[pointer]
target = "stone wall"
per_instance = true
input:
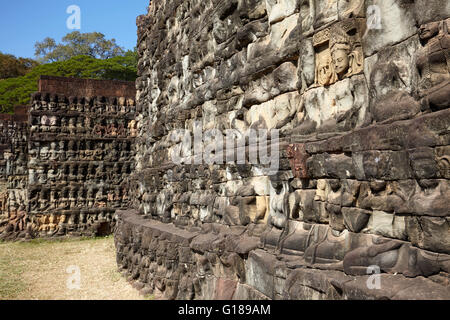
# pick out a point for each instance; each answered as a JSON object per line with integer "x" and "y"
{"x": 77, "y": 154}
{"x": 358, "y": 92}
{"x": 74, "y": 87}
{"x": 14, "y": 132}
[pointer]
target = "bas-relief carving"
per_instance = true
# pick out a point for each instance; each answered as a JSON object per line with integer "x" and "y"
{"x": 338, "y": 52}
{"x": 315, "y": 233}
{"x": 392, "y": 79}
{"x": 433, "y": 63}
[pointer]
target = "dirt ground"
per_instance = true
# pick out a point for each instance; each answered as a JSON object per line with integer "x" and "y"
{"x": 47, "y": 270}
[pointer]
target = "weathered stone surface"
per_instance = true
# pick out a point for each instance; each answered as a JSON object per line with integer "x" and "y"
{"x": 71, "y": 159}
{"x": 358, "y": 91}
{"x": 397, "y": 24}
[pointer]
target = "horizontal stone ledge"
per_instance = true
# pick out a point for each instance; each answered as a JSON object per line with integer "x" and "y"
{"x": 74, "y": 162}
{"x": 74, "y": 211}
{"x": 49, "y": 137}
{"x": 68, "y": 113}
{"x": 337, "y": 284}
{"x": 133, "y": 217}
{"x": 429, "y": 130}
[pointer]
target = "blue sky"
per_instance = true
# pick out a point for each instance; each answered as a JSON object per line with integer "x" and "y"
{"x": 23, "y": 22}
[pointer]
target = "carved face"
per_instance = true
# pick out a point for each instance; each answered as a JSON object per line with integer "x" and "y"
{"x": 324, "y": 73}
{"x": 428, "y": 30}
{"x": 277, "y": 185}
{"x": 340, "y": 61}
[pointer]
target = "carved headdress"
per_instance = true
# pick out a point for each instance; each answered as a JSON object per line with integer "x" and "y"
{"x": 339, "y": 39}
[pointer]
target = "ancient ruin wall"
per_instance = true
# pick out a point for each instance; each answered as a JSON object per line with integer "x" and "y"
{"x": 77, "y": 156}
{"x": 14, "y": 131}
{"x": 359, "y": 93}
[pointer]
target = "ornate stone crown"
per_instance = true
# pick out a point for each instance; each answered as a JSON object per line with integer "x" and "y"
{"x": 339, "y": 39}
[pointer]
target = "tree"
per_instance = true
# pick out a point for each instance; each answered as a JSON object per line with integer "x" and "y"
{"x": 17, "y": 91}
{"x": 75, "y": 44}
{"x": 11, "y": 67}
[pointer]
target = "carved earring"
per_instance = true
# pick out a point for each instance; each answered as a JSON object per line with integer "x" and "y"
{"x": 351, "y": 59}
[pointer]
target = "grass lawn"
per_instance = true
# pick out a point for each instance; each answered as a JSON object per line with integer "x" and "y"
{"x": 38, "y": 270}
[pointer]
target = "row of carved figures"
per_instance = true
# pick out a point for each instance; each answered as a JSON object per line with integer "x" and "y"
{"x": 54, "y": 223}
{"x": 78, "y": 198}
{"x": 84, "y": 125}
{"x": 87, "y": 150}
{"x": 98, "y": 105}
{"x": 83, "y": 172}
{"x": 13, "y": 132}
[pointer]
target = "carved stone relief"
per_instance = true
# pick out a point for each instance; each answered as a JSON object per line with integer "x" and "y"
{"x": 338, "y": 50}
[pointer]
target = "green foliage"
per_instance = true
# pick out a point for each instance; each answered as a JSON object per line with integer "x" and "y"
{"x": 11, "y": 67}
{"x": 75, "y": 44}
{"x": 17, "y": 91}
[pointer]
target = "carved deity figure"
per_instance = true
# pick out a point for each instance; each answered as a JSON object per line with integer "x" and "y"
{"x": 80, "y": 105}
{"x": 64, "y": 125}
{"x": 279, "y": 211}
{"x": 124, "y": 153}
{"x": 81, "y": 176}
{"x": 62, "y": 224}
{"x": 121, "y": 131}
{"x": 73, "y": 172}
{"x": 90, "y": 172}
{"x": 54, "y": 199}
{"x": 52, "y": 174}
{"x": 64, "y": 201}
{"x": 112, "y": 129}
{"x": 346, "y": 59}
{"x": 42, "y": 174}
{"x": 72, "y": 198}
{"x": 88, "y": 124}
{"x": 80, "y": 198}
{"x": 433, "y": 63}
{"x": 338, "y": 52}
{"x": 117, "y": 197}
{"x": 325, "y": 74}
{"x": 72, "y": 126}
{"x": 51, "y": 223}
{"x": 90, "y": 197}
{"x": 71, "y": 151}
{"x": 132, "y": 128}
{"x": 98, "y": 129}
{"x": 54, "y": 154}
{"x": 99, "y": 172}
{"x": 100, "y": 199}
{"x": 98, "y": 153}
{"x": 45, "y": 123}
{"x": 44, "y": 153}
{"x": 278, "y": 203}
{"x": 80, "y": 128}
{"x": 43, "y": 200}
{"x": 88, "y": 151}
{"x": 53, "y": 124}
{"x": 35, "y": 124}
{"x": 32, "y": 176}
